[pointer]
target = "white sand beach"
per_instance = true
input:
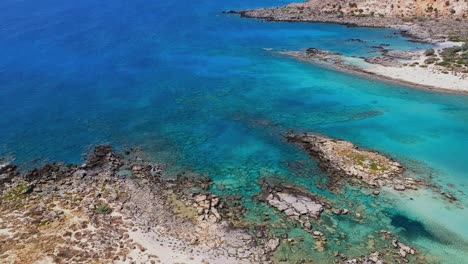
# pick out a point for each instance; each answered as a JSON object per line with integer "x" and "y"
{"x": 427, "y": 77}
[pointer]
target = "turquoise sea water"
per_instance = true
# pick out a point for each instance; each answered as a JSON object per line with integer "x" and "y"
{"x": 202, "y": 90}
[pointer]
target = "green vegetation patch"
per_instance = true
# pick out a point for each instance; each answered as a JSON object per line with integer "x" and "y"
{"x": 103, "y": 209}
{"x": 429, "y": 52}
{"x": 181, "y": 208}
{"x": 16, "y": 192}
{"x": 454, "y": 57}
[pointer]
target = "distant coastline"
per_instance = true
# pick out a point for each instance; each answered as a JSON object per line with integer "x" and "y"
{"x": 425, "y": 22}
{"x": 443, "y": 68}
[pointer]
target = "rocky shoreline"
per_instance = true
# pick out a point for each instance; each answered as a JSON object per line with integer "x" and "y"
{"x": 419, "y": 28}
{"x": 346, "y": 163}
{"x": 118, "y": 208}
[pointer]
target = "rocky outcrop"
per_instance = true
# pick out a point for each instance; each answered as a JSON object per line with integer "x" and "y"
{"x": 344, "y": 161}
{"x": 392, "y": 58}
{"x": 403, "y": 250}
{"x": 383, "y": 60}
{"x": 7, "y": 173}
{"x": 323, "y": 58}
{"x": 296, "y": 203}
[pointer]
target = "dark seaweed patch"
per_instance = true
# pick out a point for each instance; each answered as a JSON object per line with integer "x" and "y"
{"x": 411, "y": 228}
{"x": 367, "y": 114}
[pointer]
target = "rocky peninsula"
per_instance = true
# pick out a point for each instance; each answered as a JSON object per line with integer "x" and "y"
{"x": 344, "y": 161}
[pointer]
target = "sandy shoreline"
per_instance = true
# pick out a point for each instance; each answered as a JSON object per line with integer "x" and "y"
{"x": 422, "y": 77}
{"x": 414, "y": 77}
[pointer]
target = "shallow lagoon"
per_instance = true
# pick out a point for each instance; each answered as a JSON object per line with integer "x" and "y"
{"x": 201, "y": 90}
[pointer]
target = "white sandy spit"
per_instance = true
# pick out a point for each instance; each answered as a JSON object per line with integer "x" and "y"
{"x": 422, "y": 76}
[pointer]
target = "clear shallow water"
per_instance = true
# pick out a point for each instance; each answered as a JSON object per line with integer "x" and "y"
{"x": 202, "y": 91}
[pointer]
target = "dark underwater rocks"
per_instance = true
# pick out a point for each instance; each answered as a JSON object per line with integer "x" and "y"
{"x": 411, "y": 228}
{"x": 357, "y": 40}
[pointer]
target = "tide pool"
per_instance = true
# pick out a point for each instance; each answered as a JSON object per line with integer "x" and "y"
{"x": 205, "y": 91}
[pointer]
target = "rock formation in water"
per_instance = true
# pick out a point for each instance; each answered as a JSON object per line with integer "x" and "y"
{"x": 306, "y": 210}
{"x": 344, "y": 161}
{"x": 296, "y": 203}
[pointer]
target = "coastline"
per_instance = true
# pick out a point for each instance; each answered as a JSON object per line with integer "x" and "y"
{"x": 118, "y": 208}
{"x": 249, "y": 154}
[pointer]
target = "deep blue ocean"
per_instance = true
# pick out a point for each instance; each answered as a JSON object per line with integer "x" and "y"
{"x": 205, "y": 91}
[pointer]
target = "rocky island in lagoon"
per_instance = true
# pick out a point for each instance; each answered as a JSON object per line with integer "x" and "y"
{"x": 219, "y": 179}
